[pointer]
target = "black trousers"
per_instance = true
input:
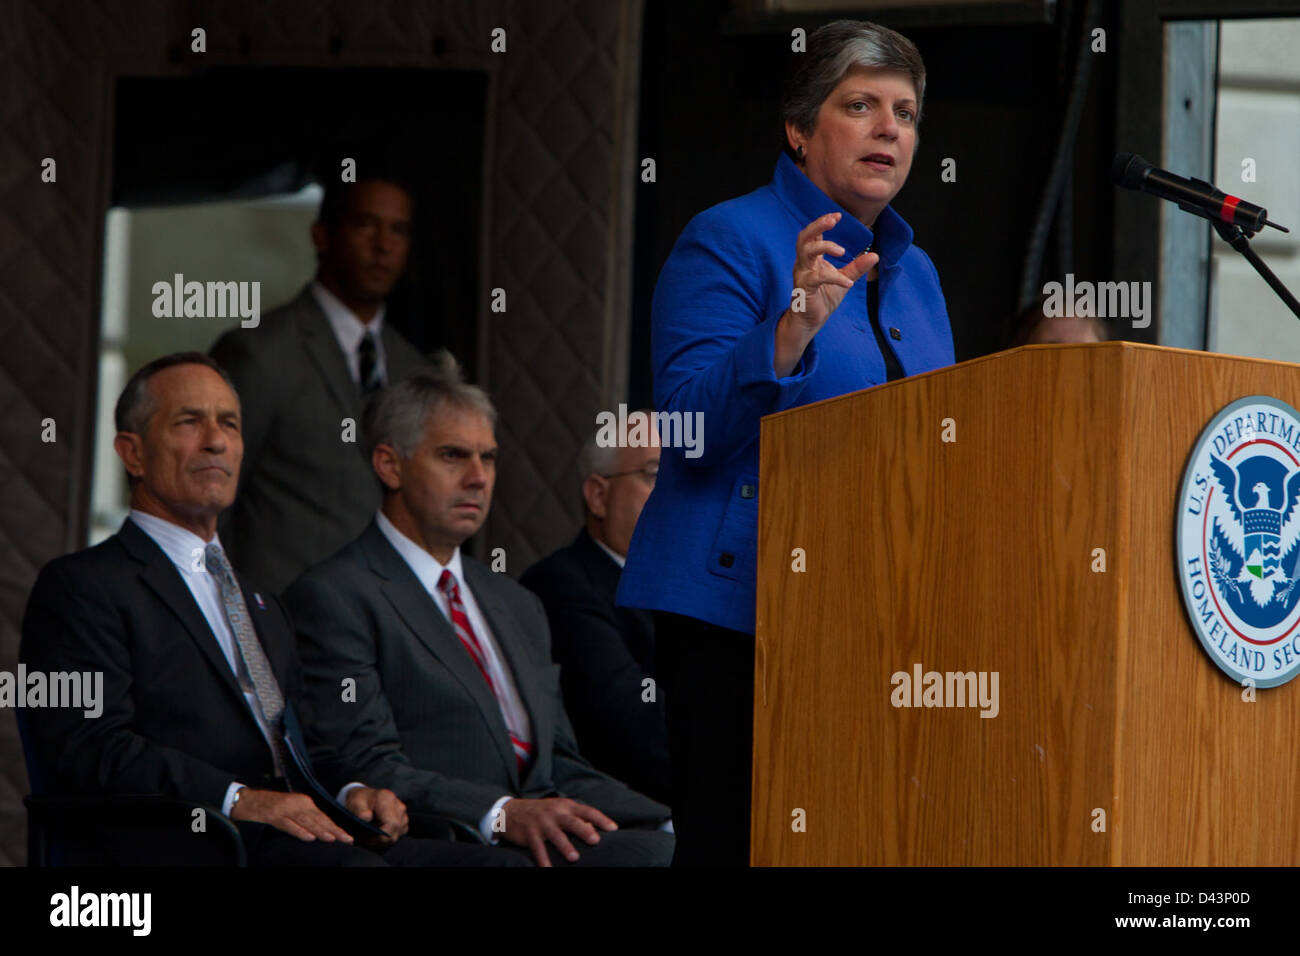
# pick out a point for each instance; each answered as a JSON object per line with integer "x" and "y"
{"x": 267, "y": 846}
{"x": 707, "y": 676}
{"x": 623, "y": 847}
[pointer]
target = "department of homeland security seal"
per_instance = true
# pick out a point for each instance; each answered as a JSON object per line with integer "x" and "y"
{"x": 1239, "y": 540}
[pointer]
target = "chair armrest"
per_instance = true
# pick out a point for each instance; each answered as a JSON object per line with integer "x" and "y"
{"x": 434, "y": 827}
{"x": 464, "y": 833}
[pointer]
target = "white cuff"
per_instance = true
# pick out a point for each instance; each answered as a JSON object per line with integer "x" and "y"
{"x": 229, "y": 802}
{"x": 485, "y": 825}
{"x": 342, "y": 798}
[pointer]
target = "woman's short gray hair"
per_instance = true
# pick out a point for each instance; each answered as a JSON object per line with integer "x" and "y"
{"x": 835, "y": 49}
{"x": 399, "y": 414}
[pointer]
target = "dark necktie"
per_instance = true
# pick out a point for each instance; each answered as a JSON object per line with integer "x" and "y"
{"x": 371, "y": 381}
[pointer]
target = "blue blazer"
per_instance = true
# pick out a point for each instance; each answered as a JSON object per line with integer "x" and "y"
{"x": 725, "y": 284}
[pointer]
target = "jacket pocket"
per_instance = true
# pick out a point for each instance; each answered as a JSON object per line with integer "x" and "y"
{"x": 736, "y": 543}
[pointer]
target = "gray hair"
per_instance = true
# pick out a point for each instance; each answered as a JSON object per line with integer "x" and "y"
{"x": 833, "y": 51}
{"x": 399, "y": 414}
{"x": 137, "y": 403}
{"x": 596, "y": 459}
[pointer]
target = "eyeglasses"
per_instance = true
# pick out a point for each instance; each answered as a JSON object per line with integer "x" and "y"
{"x": 648, "y": 472}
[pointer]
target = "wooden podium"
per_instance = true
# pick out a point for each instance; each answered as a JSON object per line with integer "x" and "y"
{"x": 979, "y": 554}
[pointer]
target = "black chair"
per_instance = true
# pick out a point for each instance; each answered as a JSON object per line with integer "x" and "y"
{"x": 121, "y": 829}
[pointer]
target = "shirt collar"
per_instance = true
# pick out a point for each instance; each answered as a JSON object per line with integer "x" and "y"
{"x": 426, "y": 567}
{"x": 179, "y": 544}
{"x": 348, "y": 329}
{"x": 618, "y": 559}
{"x": 805, "y": 200}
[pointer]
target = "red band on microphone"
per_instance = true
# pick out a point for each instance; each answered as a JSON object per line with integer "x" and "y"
{"x": 1229, "y": 210}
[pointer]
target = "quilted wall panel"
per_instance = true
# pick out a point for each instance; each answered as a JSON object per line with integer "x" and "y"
{"x": 556, "y": 236}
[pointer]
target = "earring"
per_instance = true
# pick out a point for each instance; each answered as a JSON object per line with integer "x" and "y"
{"x": 799, "y": 151}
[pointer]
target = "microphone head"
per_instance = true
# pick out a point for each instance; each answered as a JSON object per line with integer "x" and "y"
{"x": 1129, "y": 170}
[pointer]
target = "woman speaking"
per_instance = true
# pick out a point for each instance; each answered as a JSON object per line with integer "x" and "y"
{"x": 807, "y": 288}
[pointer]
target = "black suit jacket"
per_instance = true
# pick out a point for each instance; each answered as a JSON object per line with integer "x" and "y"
{"x": 174, "y": 721}
{"x": 423, "y": 721}
{"x": 304, "y": 492}
{"x": 605, "y": 653}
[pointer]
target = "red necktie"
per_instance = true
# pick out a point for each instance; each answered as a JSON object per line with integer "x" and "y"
{"x": 460, "y": 621}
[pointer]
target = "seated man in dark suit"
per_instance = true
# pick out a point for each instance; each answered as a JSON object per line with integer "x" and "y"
{"x": 433, "y": 673}
{"x": 200, "y": 672}
{"x": 303, "y": 373}
{"x": 606, "y": 653}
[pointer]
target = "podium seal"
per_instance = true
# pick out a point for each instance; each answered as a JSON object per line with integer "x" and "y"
{"x": 1238, "y": 547}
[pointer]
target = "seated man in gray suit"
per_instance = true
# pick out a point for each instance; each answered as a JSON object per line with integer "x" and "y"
{"x": 304, "y": 373}
{"x": 434, "y": 673}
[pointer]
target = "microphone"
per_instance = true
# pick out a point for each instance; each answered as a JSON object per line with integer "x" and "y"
{"x": 1191, "y": 195}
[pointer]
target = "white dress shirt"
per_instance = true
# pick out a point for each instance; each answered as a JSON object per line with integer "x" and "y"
{"x": 349, "y": 330}
{"x": 428, "y": 570}
{"x": 186, "y": 551}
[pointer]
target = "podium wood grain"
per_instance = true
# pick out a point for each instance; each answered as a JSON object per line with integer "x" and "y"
{"x": 977, "y": 555}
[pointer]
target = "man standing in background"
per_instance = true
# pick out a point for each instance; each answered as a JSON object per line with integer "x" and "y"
{"x": 304, "y": 374}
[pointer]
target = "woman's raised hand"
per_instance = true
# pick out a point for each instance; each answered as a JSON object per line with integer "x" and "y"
{"x": 819, "y": 288}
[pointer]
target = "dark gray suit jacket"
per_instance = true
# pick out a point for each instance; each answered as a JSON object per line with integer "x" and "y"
{"x": 303, "y": 491}
{"x": 424, "y": 722}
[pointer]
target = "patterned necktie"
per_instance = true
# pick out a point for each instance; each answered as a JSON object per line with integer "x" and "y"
{"x": 371, "y": 381}
{"x": 460, "y": 621}
{"x": 254, "y": 670}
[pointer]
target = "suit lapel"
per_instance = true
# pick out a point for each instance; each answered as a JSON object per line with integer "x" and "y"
{"x": 600, "y": 567}
{"x": 635, "y": 624}
{"x": 325, "y": 353}
{"x": 395, "y": 352}
{"x": 165, "y": 581}
{"x": 277, "y": 651}
{"x": 420, "y": 613}
{"x": 604, "y": 573}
